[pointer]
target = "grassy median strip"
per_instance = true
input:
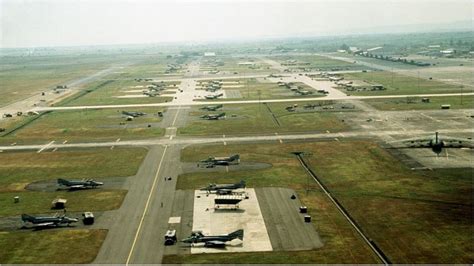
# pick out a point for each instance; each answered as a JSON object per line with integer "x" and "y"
{"x": 74, "y": 246}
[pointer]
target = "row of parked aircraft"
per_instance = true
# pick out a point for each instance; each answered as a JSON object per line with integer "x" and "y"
{"x": 60, "y": 220}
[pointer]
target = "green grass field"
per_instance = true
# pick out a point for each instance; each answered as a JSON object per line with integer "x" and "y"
{"x": 22, "y": 76}
{"x": 397, "y": 84}
{"x": 396, "y": 206}
{"x": 393, "y": 205}
{"x": 435, "y": 103}
{"x": 21, "y": 168}
{"x": 75, "y": 246}
{"x": 88, "y": 125}
{"x": 257, "y": 118}
{"x": 32, "y": 202}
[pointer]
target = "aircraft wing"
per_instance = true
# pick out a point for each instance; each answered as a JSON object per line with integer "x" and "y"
{"x": 417, "y": 143}
{"x": 457, "y": 143}
{"x": 412, "y": 143}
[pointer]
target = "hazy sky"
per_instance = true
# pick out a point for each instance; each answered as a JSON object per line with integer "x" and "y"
{"x": 63, "y": 23}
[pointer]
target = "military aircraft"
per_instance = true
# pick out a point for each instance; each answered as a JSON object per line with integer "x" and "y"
{"x": 310, "y": 106}
{"x": 212, "y": 107}
{"x": 211, "y": 97}
{"x": 437, "y": 144}
{"x": 335, "y": 78}
{"x": 212, "y": 89}
{"x": 303, "y": 92}
{"x": 133, "y": 114}
{"x": 76, "y": 184}
{"x": 217, "y": 241}
{"x": 234, "y": 159}
{"x": 212, "y": 116}
{"x": 45, "y": 221}
{"x": 151, "y": 93}
{"x": 224, "y": 188}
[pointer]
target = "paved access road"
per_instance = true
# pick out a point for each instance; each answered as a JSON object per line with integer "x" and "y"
{"x": 255, "y": 138}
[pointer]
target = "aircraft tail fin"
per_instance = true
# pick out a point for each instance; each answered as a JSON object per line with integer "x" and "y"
{"x": 237, "y": 234}
{"x": 222, "y": 114}
{"x": 62, "y": 181}
{"x": 235, "y": 157}
{"x": 242, "y": 183}
{"x": 436, "y": 137}
{"x": 27, "y": 218}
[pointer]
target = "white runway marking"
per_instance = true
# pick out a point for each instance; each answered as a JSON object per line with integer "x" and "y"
{"x": 45, "y": 146}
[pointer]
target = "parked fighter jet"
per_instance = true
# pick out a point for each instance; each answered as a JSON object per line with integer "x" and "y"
{"x": 437, "y": 144}
{"x": 212, "y": 107}
{"x": 133, "y": 114}
{"x": 303, "y": 92}
{"x": 46, "y": 221}
{"x": 212, "y": 89}
{"x": 234, "y": 159}
{"x": 224, "y": 188}
{"x": 211, "y": 97}
{"x": 213, "y": 241}
{"x": 151, "y": 93}
{"x": 213, "y": 116}
{"x": 310, "y": 106}
{"x": 76, "y": 184}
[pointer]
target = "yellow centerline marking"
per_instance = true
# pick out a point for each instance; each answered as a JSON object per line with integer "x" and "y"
{"x": 146, "y": 206}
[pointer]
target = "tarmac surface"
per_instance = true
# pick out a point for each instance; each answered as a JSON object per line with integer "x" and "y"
{"x": 285, "y": 225}
{"x": 221, "y": 220}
